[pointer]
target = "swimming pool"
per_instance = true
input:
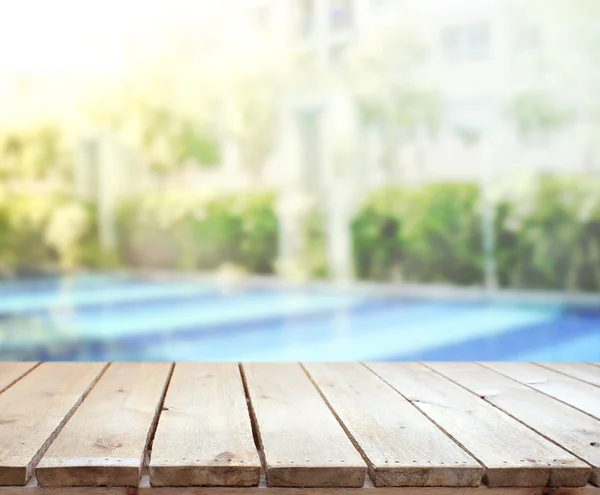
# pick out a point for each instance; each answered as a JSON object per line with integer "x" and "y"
{"x": 106, "y": 317}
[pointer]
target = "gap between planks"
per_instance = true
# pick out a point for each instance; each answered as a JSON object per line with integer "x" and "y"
{"x": 400, "y": 445}
{"x": 11, "y": 372}
{"x": 561, "y": 424}
{"x": 5, "y": 490}
{"x": 513, "y": 454}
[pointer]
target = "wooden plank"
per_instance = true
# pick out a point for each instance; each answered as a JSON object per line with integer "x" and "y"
{"x": 302, "y": 442}
{"x": 573, "y": 430}
{"x": 512, "y": 454}
{"x": 572, "y": 391}
{"x": 105, "y": 441}
{"x": 204, "y": 436}
{"x": 582, "y": 371}
{"x": 10, "y": 372}
{"x": 401, "y": 446}
{"x": 262, "y": 489}
{"x": 33, "y": 411}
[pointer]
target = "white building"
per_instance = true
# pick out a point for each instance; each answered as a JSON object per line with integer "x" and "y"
{"x": 483, "y": 53}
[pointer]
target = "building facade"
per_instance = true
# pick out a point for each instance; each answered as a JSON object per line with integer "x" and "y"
{"x": 485, "y": 54}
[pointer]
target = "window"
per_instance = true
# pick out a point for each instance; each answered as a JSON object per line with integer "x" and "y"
{"x": 466, "y": 43}
{"x": 340, "y": 14}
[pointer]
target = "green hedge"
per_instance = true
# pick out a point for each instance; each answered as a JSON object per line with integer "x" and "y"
{"x": 48, "y": 232}
{"x": 547, "y": 235}
{"x": 200, "y": 232}
{"x": 426, "y": 234}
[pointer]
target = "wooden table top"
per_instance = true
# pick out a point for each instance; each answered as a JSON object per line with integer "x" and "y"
{"x": 510, "y": 428}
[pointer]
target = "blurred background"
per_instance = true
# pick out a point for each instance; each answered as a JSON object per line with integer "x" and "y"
{"x": 300, "y": 179}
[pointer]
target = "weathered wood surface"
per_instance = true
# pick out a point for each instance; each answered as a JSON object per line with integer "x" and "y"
{"x": 318, "y": 427}
{"x": 402, "y": 447}
{"x": 583, "y": 371}
{"x": 11, "y": 372}
{"x": 302, "y": 442}
{"x": 573, "y": 430}
{"x": 512, "y": 454}
{"x": 571, "y": 391}
{"x": 368, "y": 489}
{"x": 34, "y": 410}
{"x": 105, "y": 441}
{"x": 204, "y": 436}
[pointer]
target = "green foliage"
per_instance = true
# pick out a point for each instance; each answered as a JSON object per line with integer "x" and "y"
{"x": 534, "y": 111}
{"x": 313, "y": 259}
{"x": 201, "y": 232}
{"x": 197, "y": 142}
{"x": 41, "y": 232}
{"x": 34, "y": 153}
{"x": 425, "y": 234}
{"x": 168, "y": 138}
{"x": 392, "y": 82}
{"x": 376, "y": 235}
{"x": 548, "y": 235}
{"x": 442, "y": 234}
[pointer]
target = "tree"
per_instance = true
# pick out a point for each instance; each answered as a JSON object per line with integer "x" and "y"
{"x": 393, "y": 81}
{"x": 558, "y": 79}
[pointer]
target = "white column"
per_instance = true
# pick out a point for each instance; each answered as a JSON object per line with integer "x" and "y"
{"x": 98, "y": 178}
{"x": 292, "y": 203}
{"x": 109, "y": 166}
{"x": 339, "y": 240}
{"x": 341, "y": 157}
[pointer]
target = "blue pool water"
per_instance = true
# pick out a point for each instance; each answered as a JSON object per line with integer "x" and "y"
{"x": 125, "y": 318}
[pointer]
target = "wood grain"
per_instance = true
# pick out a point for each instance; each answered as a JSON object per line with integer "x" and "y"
{"x": 105, "y": 441}
{"x": 512, "y": 454}
{"x": 368, "y": 489}
{"x": 573, "y": 430}
{"x": 302, "y": 442}
{"x": 204, "y": 436}
{"x": 10, "y": 372}
{"x": 572, "y": 391}
{"x": 582, "y": 371}
{"x": 33, "y": 411}
{"x": 401, "y": 446}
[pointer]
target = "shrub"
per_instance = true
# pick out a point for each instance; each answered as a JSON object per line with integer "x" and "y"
{"x": 44, "y": 232}
{"x": 548, "y": 235}
{"x": 425, "y": 234}
{"x": 377, "y": 235}
{"x": 200, "y": 232}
